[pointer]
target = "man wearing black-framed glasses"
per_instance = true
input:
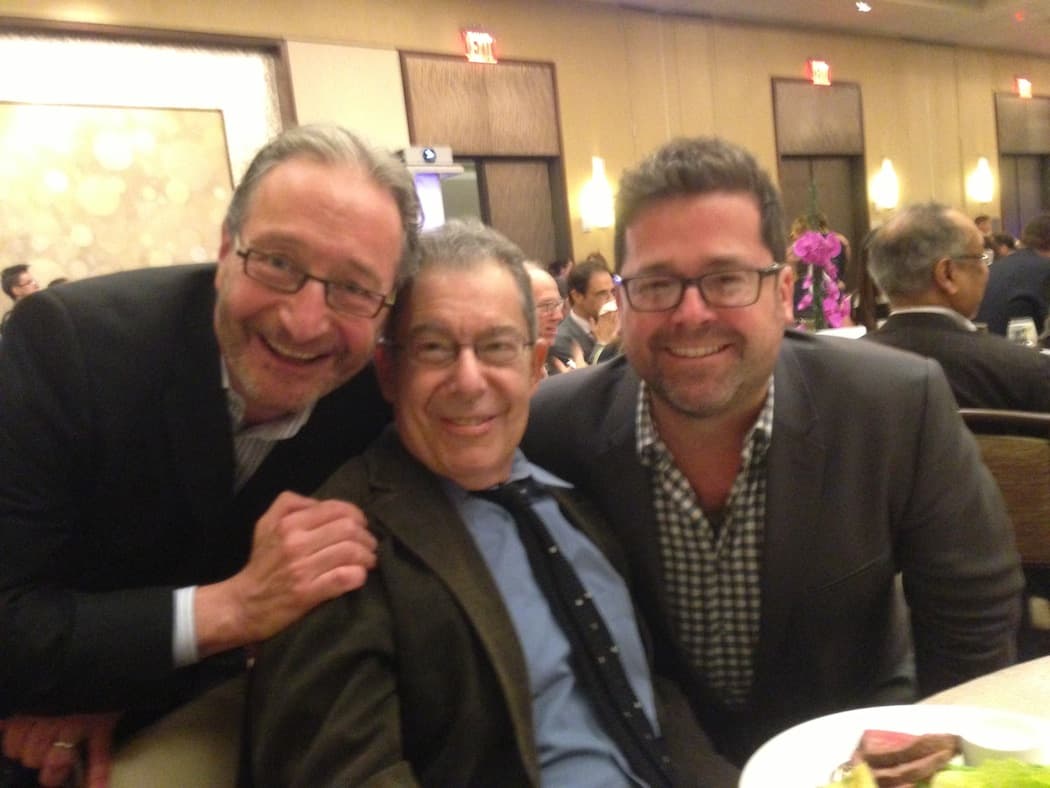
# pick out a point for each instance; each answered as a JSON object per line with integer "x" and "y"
{"x": 162, "y": 429}
{"x": 769, "y": 484}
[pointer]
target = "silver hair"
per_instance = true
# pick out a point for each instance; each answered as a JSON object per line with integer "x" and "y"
{"x": 331, "y": 144}
{"x": 902, "y": 253}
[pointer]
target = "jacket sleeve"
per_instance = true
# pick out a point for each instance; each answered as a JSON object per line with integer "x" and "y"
{"x": 63, "y": 650}
{"x": 961, "y": 571}
{"x": 323, "y": 703}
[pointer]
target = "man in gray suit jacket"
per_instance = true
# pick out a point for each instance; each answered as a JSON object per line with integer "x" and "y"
{"x": 930, "y": 262}
{"x": 768, "y": 486}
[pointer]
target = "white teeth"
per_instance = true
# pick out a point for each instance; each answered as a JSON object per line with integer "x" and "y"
{"x": 295, "y": 355}
{"x": 694, "y": 352}
{"x": 472, "y": 422}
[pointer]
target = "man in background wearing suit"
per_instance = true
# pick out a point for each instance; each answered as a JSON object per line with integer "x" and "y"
{"x": 159, "y": 430}
{"x": 930, "y": 262}
{"x": 451, "y": 666}
{"x": 1019, "y": 284}
{"x": 17, "y": 282}
{"x": 586, "y": 326}
{"x": 769, "y": 485}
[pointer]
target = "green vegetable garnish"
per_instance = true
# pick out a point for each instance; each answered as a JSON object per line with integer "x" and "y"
{"x": 993, "y": 774}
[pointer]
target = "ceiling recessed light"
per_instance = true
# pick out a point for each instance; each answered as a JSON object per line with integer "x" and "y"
{"x": 863, "y": 7}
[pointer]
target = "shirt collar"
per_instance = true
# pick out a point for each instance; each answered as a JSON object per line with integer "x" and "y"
{"x": 520, "y": 469}
{"x": 956, "y": 318}
{"x": 582, "y": 322}
{"x": 277, "y": 429}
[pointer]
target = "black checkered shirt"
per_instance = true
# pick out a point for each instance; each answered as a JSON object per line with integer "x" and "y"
{"x": 712, "y": 576}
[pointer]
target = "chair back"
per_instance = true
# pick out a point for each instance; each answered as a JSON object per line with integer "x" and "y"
{"x": 1015, "y": 446}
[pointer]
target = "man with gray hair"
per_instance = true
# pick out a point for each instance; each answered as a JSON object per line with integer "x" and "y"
{"x": 769, "y": 485}
{"x": 495, "y": 642}
{"x": 161, "y": 429}
{"x": 931, "y": 263}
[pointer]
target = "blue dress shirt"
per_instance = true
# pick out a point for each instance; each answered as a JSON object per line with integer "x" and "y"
{"x": 573, "y": 748}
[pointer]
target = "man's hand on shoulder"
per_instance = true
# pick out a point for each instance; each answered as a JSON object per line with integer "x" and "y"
{"x": 53, "y": 745}
{"x": 304, "y": 552}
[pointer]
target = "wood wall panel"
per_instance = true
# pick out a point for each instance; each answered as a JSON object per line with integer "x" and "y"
{"x": 520, "y": 205}
{"x": 816, "y": 120}
{"x": 1023, "y": 124}
{"x": 508, "y": 109}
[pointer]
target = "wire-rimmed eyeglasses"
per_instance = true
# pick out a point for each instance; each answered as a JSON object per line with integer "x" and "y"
{"x": 280, "y": 274}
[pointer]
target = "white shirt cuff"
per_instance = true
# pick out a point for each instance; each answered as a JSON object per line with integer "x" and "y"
{"x": 184, "y": 633}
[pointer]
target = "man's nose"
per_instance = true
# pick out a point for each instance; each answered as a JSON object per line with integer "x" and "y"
{"x": 468, "y": 373}
{"x": 692, "y": 307}
{"x": 305, "y": 315}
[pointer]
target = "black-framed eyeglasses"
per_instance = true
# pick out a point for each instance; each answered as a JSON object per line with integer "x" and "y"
{"x": 434, "y": 349}
{"x": 984, "y": 257}
{"x": 284, "y": 276}
{"x": 662, "y": 292}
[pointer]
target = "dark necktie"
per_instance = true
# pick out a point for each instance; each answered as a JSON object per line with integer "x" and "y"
{"x": 595, "y": 656}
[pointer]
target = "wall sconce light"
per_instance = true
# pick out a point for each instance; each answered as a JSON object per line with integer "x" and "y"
{"x": 1024, "y": 87}
{"x": 596, "y": 199}
{"x": 885, "y": 188}
{"x": 980, "y": 185}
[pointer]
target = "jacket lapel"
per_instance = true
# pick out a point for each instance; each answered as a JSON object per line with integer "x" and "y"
{"x": 196, "y": 417}
{"x": 795, "y": 476}
{"x": 623, "y": 488}
{"x": 412, "y": 506}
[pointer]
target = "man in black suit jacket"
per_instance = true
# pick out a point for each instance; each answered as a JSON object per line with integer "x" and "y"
{"x": 769, "y": 486}
{"x": 930, "y": 262}
{"x": 148, "y": 422}
{"x": 1019, "y": 284}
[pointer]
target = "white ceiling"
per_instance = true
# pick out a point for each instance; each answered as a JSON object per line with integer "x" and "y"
{"x": 1007, "y": 25}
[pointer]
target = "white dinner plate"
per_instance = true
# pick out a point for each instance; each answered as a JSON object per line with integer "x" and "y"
{"x": 805, "y": 756}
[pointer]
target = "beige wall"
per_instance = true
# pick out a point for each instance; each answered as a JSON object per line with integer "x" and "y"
{"x": 354, "y": 87}
{"x": 628, "y": 80}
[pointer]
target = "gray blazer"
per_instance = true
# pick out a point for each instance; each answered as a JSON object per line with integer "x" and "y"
{"x": 871, "y": 472}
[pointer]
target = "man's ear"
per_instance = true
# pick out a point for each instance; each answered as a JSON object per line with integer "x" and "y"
{"x": 225, "y": 247}
{"x": 385, "y": 370}
{"x": 944, "y": 275}
{"x": 786, "y": 293}
{"x": 539, "y": 356}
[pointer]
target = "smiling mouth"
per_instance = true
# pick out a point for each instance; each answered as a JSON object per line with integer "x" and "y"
{"x": 470, "y": 421}
{"x": 696, "y": 352}
{"x": 293, "y": 355}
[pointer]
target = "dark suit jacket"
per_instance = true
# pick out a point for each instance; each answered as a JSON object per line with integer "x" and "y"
{"x": 117, "y": 460}
{"x": 419, "y": 677}
{"x": 569, "y": 331}
{"x": 871, "y": 472}
{"x": 1018, "y": 286}
{"x": 984, "y": 370}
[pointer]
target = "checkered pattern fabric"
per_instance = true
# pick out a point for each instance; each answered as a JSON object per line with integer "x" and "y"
{"x": 712, "y": 573}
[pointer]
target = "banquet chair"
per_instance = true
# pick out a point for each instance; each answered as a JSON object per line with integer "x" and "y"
{"x": 1015, "y": 445}
{"x": 196, "y": 745}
